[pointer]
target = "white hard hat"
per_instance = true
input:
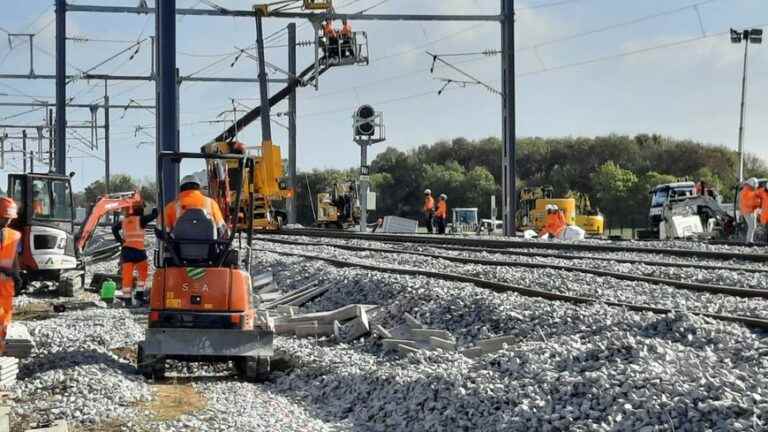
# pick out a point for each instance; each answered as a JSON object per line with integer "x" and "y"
{"x": 752, "y": 182}
{"x": 555, "y": 207}
{"x": 190, "y": 179}
{"x": 427, "y": 191}
{"x": 444, "y": 196}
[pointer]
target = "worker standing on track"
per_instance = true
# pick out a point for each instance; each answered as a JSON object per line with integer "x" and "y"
{"x": 133, "y": 255}
{"x": 749, "y": 203}
{"x": 554, "y": 224}
{"x": 429, "y": 210}
{"x": 191, "y": 197}
{"x": 441, "y": 215}
{"x": 9, "y": 265}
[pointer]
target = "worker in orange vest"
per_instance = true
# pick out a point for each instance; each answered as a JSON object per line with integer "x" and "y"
{"x": 133, "y": 255}
{"x": 345, "y": 36}
{"x": 554, "y": 224}
{"x": 762, "y": 193}
{"x": 38, "y": 208}
{"x": 331, "y": 39}
{"x": 441, "y": 214}
{"x": 429, "y": 210}
{"x": 191, "y": 197}
{"x": 749, "y": 203}
{"x": 9, "y": 265}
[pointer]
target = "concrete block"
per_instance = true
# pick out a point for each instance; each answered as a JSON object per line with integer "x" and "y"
{"x": 313, "y": 330}
{"x": 445, "y": 345}
{"x": 5, "y": 419}
{"x": 425, "y": 334}
{"x": 412, "y": 322}
{"x": 354, "y": 329}
{"x": 497, "y": 343}
{"x": 391, "y": 344}
{"x": 473, "y": 352}
{"x": 405, "y": 349}
{"x": 381, "y": 332}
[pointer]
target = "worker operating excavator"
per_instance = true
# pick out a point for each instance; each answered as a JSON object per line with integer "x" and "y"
{"x": 9, "y": 265}
{"x": 191, "y": 197}
{"x": 133, "y": 255}
{"x": 554, "y": 224}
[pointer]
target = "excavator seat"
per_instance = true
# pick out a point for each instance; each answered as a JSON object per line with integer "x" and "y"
{"x": 194, "y": 238}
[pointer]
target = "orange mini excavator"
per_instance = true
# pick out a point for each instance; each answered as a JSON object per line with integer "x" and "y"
{"x": 201, "y": 302}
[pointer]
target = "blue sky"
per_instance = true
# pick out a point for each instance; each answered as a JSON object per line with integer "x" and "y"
{"x": 600, "y": 83}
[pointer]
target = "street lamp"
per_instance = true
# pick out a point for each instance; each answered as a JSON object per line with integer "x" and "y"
{"x": 749, "y": 36}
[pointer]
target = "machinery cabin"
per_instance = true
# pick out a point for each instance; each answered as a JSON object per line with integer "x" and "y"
{"x": 46, "y": 223}
{"x": 340, "y": 207}
{"x": 201, "y": 302}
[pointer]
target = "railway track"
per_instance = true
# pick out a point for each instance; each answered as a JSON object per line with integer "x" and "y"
{"x": 692, "y": 286}
{"x": 523, "y": 244}
{"x": 500, "y": 287}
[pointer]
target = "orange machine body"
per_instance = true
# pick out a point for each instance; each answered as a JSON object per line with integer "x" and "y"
{"x": 192, "y": 291}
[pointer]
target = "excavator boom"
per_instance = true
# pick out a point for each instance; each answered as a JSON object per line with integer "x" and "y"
{"x": 105, "y": 204}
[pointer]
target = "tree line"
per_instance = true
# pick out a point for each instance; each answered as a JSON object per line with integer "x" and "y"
{"x": 615, "y": 171}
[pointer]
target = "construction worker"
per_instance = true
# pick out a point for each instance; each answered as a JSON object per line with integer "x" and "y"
{"x": 191, "y": 197}
{"x": 345, "y": 37}
{"x": 762, "y": 193}
{"x": 133, "y": 256}
{"x": 331, "y": 39}
{"x": 554, "y": 224}
{"x": 37, "y": 203}
{"x": 749, "y": 203}
{"x": 441, "y": 215}
{"x": 9, "y": 265}
{"x": 429, "y": 210}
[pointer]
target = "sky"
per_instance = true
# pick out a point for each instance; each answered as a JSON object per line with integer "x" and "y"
{"x": 584, "y": 68}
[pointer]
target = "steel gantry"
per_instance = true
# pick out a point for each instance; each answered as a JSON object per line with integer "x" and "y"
{"x": 168, "y": 106}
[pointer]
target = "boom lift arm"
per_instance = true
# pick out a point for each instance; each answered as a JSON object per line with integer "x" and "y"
{"x": 105, "y": 204}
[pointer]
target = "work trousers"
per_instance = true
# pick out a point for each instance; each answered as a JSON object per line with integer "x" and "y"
{"x": 6, "y": 308}
{"x": 428, "y": 217}
{"x": 751, "y": 219}
{"x": 142, "y": 268}
{"x": 440, "y": 225}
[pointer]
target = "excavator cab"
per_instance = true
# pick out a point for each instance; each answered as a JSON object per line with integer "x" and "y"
{"x": 201, "y": 302}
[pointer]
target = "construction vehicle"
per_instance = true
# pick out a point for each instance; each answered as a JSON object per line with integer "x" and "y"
{"x": 532, "y": 211}
{"x": 339, "y": 207}
{"x": 46, "y": 224}
{"x": 263, "y": 184}
{"x": 680, "y": 209}
{"x": 201, "y": 302}
{"x": 106, "y": 204}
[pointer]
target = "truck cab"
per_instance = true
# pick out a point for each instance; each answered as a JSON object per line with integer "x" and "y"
{"x": 663, "y": 194}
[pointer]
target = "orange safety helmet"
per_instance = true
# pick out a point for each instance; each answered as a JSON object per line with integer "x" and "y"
{"x": 8, "y": 208}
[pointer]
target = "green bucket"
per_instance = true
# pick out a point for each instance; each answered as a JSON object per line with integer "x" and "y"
{"x": 108, "y": 288}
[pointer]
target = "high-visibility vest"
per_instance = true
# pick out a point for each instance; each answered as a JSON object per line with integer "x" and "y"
{"x": 429, "y": 204}
{"x": 133, "y": 234}
{"x": 442, "y": 210}
{"x": 346, "y": 30}
{"x": 9, "y": 245}
{"x": 554, "y": 225}
{"x": 193, "y": 199}
{"x": 749, "y": 201}
{"x": 763, "y": 193}
{"x": 328, "y": 31}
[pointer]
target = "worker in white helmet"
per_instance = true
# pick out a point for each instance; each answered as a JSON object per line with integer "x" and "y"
{"x": 749, "y": 203}
{"x": 429, "y": 210}
{"x": 554, "y": 223}
{"x": 191, "y": 197}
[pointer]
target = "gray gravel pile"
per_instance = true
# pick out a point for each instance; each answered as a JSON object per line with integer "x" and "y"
{"x": 576, "y": 368}
{"x": 74, "y": 374}
{"x": 570, "y": 283}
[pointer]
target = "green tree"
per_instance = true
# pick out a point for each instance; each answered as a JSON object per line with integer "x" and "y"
{"x": 117, "y": 183}
{"x": 613, "y": 187}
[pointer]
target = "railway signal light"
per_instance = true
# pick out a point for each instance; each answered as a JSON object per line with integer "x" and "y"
{"x": 365, "y": 121}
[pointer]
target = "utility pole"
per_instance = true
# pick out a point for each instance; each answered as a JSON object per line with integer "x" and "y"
{"x": 509, "y": 171}
{"x": 753, "y": 36}
{"x": 60, "y": 141}
{"x": 106, "y": 137}
{"x": 292, "y": 124}
{"x": 24, "y": 149}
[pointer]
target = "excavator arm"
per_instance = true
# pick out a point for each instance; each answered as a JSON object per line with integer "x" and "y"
{"x": 105, "y": 204}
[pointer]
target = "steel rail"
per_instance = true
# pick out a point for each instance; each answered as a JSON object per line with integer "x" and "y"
{"x": 522, "y": 244}
{"x": 691, "y": 286}
{"x": 500, "y": 287}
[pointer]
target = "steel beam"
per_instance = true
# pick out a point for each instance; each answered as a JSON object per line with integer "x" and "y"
{"x": 13, "y": 126}
{"x": 106, "y": 77}
{"x": 60, "y": 152}
{"x": 106, "y": 138}
{"x": 99, "y": 106}
{"x": 266, "y": 122}
{"x": 287, "y": 15}
{"x": 167, "y": 102}
{"x": 292, "y": 124}
{"x": 509, "y": 171}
